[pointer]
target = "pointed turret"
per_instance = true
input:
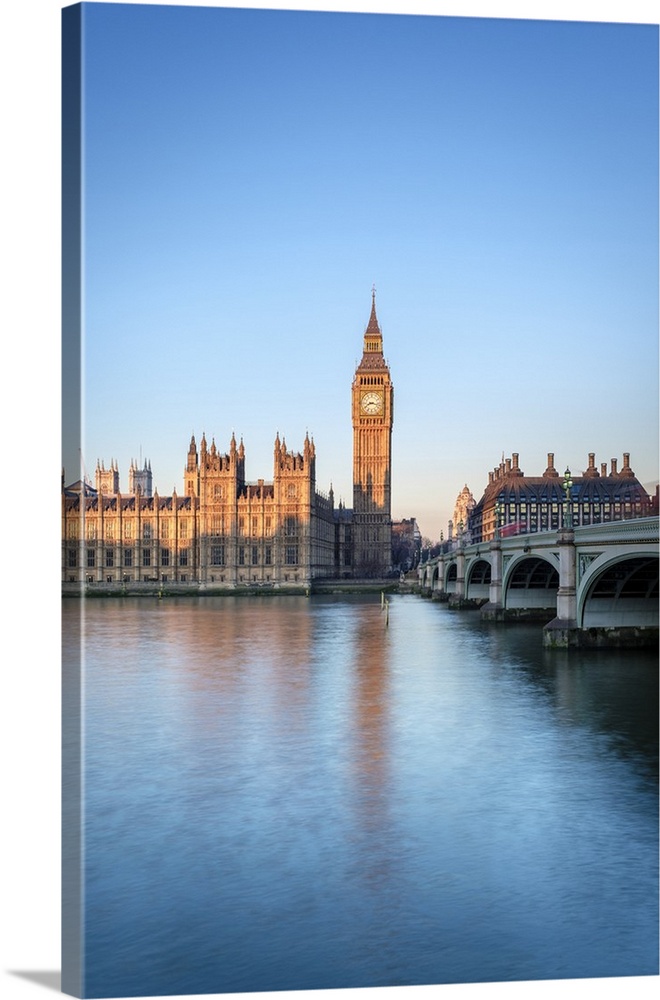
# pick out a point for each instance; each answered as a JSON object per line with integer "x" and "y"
{"x": 192, "y": 456}
{"x": 373, "y": 337}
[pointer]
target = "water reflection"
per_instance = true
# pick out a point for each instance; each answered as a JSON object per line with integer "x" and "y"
{"x": 612, "y": 692}
{"x": 287, "y": 794}
{"x": 370, "y": 765}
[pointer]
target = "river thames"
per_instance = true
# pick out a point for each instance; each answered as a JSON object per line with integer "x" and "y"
{"x": 308, "y": 793}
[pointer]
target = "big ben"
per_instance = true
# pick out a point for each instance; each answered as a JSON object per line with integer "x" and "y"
{"x": 373, "y": 417}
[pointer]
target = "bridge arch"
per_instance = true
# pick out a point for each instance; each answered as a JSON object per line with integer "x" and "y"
{"x": 477, "y": 580}
{"x": 620, "y": 591}
{"x": 530, "y": 582}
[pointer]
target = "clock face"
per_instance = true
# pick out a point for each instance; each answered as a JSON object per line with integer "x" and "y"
{"x": 371, "y": 403}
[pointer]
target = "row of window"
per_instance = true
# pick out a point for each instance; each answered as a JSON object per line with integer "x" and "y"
{"x": 251, "y": 555}
{"x": 219, "y": 493}
{"x": 532, "y": 517}
{"x": 514, "y": 511}
{"x": 577, "y": 496}
{"x": 217, "y": 527}
{"x": 246, "y": 554}
{"x": 148, "y": 534}
{"x": 166, "y": 558}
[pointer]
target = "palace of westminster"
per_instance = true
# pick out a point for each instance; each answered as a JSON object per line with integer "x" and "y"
{"x": 224, "y": 532}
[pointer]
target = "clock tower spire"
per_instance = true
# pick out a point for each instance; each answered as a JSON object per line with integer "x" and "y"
{"x": 373, "y": 338}
{"x": 373, "y": 417}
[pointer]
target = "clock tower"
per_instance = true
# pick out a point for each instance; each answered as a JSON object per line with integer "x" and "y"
{"x": 373, "y": 416}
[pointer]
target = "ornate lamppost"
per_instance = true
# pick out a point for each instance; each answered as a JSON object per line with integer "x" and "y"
{"x": 567, "y": 485}
{"x": 498, "y": 517}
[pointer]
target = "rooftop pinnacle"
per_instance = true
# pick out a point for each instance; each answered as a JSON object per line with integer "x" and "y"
{"x": 373, "y": 328}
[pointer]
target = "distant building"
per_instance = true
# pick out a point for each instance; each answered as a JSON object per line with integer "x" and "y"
{"x": 107, "y": 480}
{"x": 224, "y": 531}
{"x": 140, "y": 480}
{"x": 406, "y": 544}
{"x": 520, "y": 504}
{"x": 465, "y": 504}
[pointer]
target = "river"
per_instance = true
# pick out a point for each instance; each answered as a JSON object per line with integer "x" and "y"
{"x": 308, "y": 793}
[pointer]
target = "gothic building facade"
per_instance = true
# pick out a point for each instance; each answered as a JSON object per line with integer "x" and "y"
{"x": 224, "y": 532}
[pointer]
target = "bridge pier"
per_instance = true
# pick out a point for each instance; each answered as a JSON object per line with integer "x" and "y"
{"x": 457, "y": 599}
{"x": 438, "y": 591}
{"x": 493, "y": 609}
{"x": 563, "y": 630}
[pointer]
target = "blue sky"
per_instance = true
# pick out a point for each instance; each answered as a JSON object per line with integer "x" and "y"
{"x": 249, "y": 174}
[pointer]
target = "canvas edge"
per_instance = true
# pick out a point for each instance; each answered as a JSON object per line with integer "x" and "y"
{"x": 71, "y": 379}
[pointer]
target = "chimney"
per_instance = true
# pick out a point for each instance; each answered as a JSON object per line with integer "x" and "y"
{"x": 626, "y": 470}
{"x": 550, "y": 471}
{"x": 614, "y": 463}
{"x": 591, "y": 471}
{"x": 515, "y": 467}
{"x": 603, "y": 468}
{"x": 508, "y": 465}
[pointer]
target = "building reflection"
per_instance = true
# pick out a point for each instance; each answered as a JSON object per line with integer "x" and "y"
{"x": 233, "y": 671}
{"x": 370, "y": 756}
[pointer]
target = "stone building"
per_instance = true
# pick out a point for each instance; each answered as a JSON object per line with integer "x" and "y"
{"x": 224, "y": 531}
{"x": 520, "y": 504}
{"x": 221, "y": 531}
{"x": 465, "y": 504}
{"x": 373, "y": 417}
{"x": 406, "y": 544}
{"x": 107, "y": 480}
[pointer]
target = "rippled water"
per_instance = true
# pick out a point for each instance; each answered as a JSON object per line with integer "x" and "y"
{"x": 286, "y": 793}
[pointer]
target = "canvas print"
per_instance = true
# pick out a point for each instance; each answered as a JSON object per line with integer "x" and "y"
{"x": 359, "y": 500}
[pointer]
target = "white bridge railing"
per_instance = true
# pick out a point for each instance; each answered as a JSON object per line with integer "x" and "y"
{"x": 624, "y": 532}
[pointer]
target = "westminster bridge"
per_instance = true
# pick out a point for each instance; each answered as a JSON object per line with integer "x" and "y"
{"x": 591, "y": 585}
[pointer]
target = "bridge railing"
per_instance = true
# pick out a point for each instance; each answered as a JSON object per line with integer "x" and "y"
{"x": 630, "y": 530}
{"x": 633, "y": 529}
